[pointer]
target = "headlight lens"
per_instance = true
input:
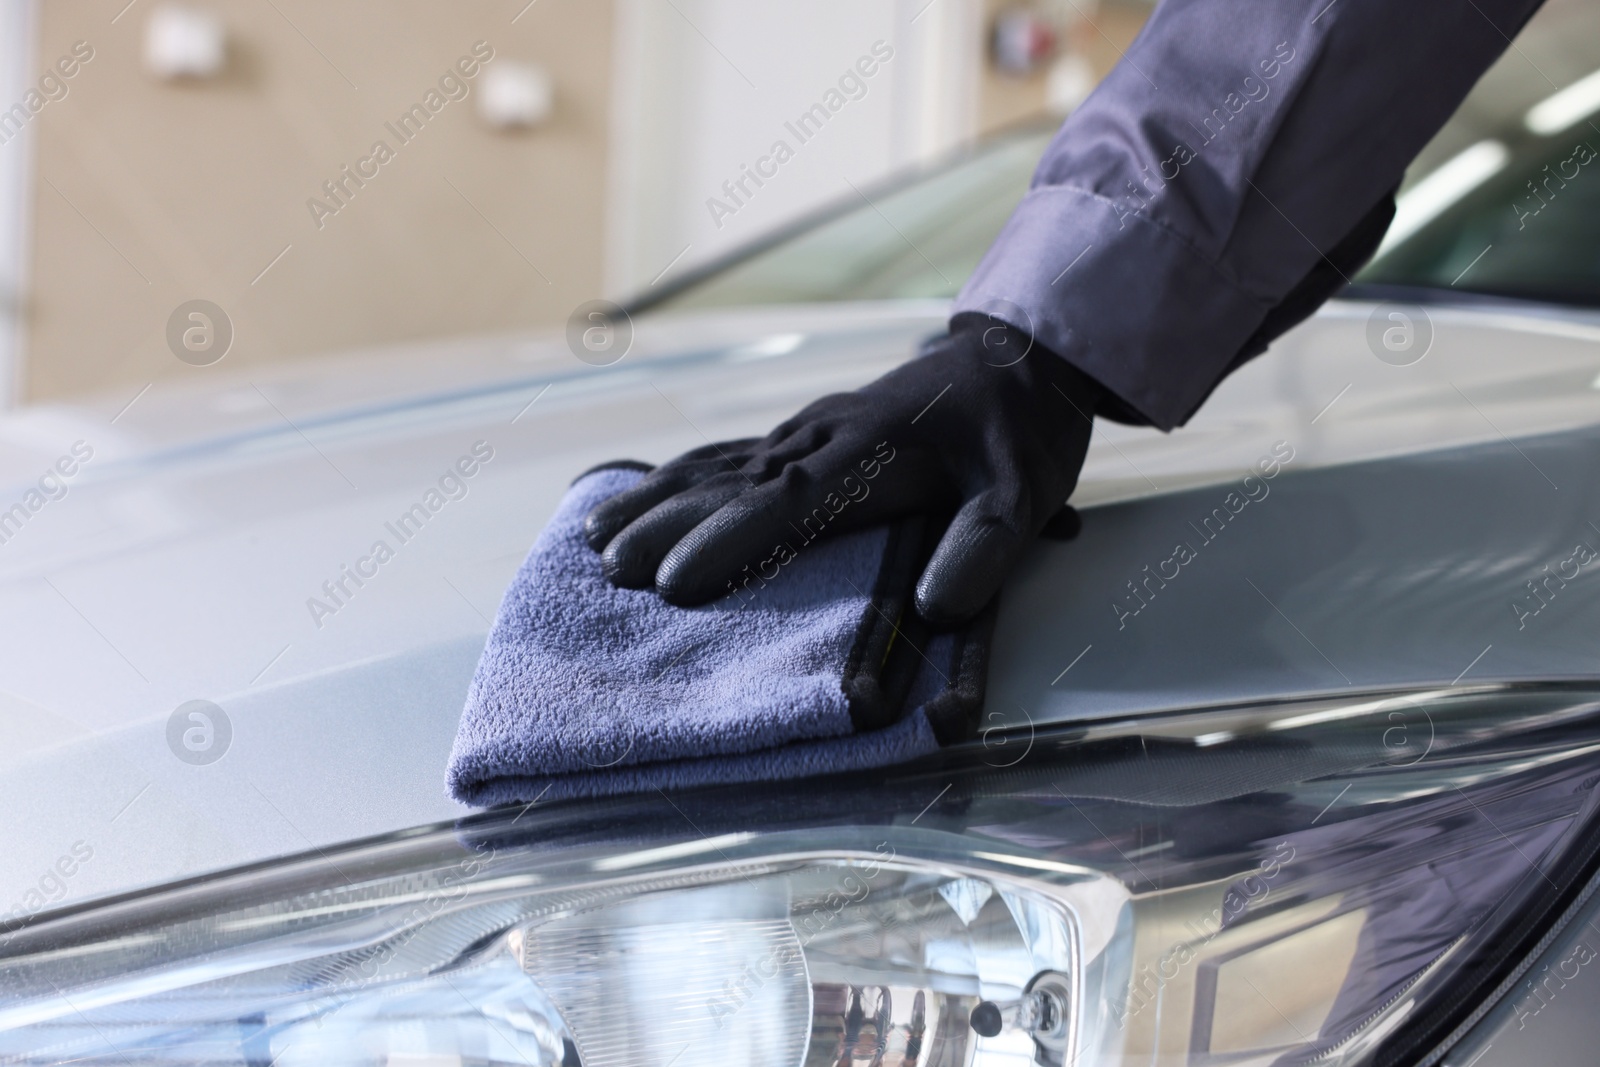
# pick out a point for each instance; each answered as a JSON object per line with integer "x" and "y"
{"x": 811, "y": 958}
{"x": 1324, "y": 881}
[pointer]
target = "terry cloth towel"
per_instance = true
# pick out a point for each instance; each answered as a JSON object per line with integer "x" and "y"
{"x": 585, "y": 689}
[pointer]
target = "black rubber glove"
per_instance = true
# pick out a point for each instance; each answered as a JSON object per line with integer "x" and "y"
{"x": 983, "y": 425}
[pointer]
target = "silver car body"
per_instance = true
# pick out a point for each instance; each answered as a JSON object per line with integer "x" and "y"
{"x": 183, "y": 560}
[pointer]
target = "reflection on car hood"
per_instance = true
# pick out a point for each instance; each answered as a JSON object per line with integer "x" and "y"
{"x": 185, "y": 559}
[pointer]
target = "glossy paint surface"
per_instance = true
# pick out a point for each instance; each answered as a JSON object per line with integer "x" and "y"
{"x": 182, "y": 562}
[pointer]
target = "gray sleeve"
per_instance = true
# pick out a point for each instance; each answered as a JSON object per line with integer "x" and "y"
{"x": 1224, "y": 179}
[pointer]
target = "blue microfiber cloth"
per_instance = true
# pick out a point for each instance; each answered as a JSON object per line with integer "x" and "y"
{"x": 585, "y": 689}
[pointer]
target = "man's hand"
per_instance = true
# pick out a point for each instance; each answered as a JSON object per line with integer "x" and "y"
{"x": 979, "y": 426}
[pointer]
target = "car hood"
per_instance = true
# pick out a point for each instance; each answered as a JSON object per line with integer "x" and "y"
{"x": 182, "y": 559}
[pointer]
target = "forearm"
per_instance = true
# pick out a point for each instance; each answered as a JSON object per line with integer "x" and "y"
{"x": 1184, "y": 212}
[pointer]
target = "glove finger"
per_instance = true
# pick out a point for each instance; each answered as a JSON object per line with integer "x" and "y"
{"x": 1064, "y": 525}
{"x": 608, "y": 518}
{"x": 612, "y": 515}
{"x": 634, "y": 555}
{"x": 790, "y": 511}
{"x": 972, "y": 560}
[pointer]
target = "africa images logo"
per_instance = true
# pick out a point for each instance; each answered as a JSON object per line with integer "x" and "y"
{"x": 453, "y": 484}
{"x": 52, "y": 485}
{"x": 454, "y": 84}
{"x": 852, "y": 85}
{"x": 1253, "y": 488}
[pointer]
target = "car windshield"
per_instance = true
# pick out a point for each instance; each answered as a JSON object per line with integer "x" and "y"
{"x": 918, "y": 240}
{"x": 1515, "y": 215}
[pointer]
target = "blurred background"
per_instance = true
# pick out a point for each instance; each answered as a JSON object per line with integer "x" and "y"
{"x": 186, "y": 155}
{"x": 345, "y": 176}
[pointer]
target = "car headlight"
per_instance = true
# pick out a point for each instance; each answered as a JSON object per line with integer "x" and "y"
{"x": 1334, "y": 881}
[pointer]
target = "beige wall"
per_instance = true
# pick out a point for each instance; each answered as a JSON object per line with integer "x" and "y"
{"x": 148, "y": 194}
{"x": 1100, "y": 33}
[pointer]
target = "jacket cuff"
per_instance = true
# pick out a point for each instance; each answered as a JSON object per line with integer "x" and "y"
{"x": 1122, "y": 298}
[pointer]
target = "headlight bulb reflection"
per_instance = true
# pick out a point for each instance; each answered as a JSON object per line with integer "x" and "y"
{"x": 1042, "y": 1012}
